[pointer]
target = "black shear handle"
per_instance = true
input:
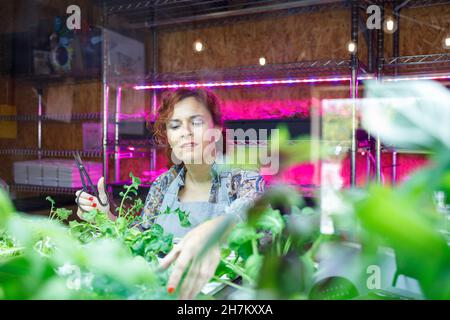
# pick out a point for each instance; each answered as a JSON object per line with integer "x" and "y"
{"x": 88, "y": 187}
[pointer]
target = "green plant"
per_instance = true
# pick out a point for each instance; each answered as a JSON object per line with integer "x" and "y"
{"x": 94, "y": 259}
{"x": 275, "y": 250}
{"x": 149, "y": 243}
{"x": 281, "y": 265}
{"x": 413, "y": 115}
{"x": 405, "y": 217}
{"x": 60, "y": 214}
{"x": 266, "y": 250}
{"x": 8, "y": 247}
{"x": 137, "y": 204}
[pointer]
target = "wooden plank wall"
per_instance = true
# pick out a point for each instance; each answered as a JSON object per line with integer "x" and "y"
{"x": 320, "y": 35}
{"x": 422, "y": 31}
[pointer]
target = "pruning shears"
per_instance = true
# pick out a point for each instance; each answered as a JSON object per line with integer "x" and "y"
{"x": 86, "y": 181}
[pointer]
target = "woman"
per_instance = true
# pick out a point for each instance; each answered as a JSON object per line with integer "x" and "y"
{"x": 188, "y": 122}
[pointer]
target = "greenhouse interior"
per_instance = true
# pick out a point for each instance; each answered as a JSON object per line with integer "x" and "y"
{"x": 225, "y": 150}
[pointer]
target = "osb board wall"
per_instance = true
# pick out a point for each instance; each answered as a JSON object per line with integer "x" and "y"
{"x": 83, "y": 97}
{"x": 422, "y": 31}
{"x": 134, "y": 101}
{"x": 57, "y": 100}
{"x": 319, "y": 35}
{"x": 24, "y": 98}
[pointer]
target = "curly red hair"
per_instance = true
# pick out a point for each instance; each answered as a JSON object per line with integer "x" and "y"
{"x": 169, "y": 99}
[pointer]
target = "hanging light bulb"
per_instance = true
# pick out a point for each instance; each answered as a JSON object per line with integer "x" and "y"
{"x": 351, "y": 47}
{"x": 262, "y": 61}
{"x": 447, "y": 42}
{"x": 390, "y": 25}
{"x": 198, "y": 46}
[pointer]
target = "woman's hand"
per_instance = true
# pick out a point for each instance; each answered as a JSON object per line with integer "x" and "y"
{"x": 186, "y": 253}
{"x": 88, "y": 202}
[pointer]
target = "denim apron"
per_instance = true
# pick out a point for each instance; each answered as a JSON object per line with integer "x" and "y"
{"x": 198, "y": 211}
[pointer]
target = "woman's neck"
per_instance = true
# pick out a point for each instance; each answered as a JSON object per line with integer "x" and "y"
{"x": 198, "y": 173}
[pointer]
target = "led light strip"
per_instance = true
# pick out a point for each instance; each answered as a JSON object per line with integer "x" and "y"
{"x": 443, "y": 77}
{"x": 246, "y": 83}
{"x": 278, "y": 82}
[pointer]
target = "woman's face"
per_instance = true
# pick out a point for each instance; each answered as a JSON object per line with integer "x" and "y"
{"x": 189, "y": 131}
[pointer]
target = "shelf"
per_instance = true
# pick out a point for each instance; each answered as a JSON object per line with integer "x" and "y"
{"x": 418, "y": 64}
{"x": 42, "y": 80}
{"x": 43, "y": 189}
{"x": 189, "y": 14}
{"x": 418, "y": 59}
{"x": 305, "y": 71}
{"x": 183, "y": 14}
{"x": 97, "y": 116}
{"x": 53, "y": 117}
{"x": 84, "y": 154}
{"x": 50, "y": 153}
{"x": 138, "y": 142}
{"x": 282, "y": 70}
{"x": 180, "y": 14}
{"x": 275, "y": 118}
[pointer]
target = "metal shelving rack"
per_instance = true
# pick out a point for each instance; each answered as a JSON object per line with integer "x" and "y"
{"x": 49, "y": 153}
{"x": 187, "y": 14}
{"x": 305, "y": 69}
{"x": 432, "y": 66}
{"x": 159, "y": 15}
{"x": 40, "y": 119}
{"x": 53, "y": 117}
{"x": 43, "y": 189}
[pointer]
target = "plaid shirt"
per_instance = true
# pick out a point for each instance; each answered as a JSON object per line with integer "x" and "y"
{"x": 241, "y": 184}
